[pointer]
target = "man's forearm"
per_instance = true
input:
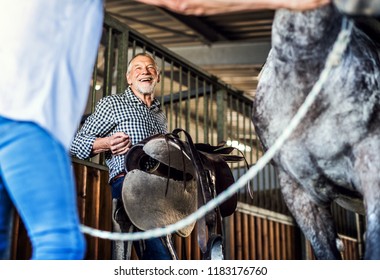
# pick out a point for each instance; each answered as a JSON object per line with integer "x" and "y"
{"x": 100, "y": 145}
{"x": 201, "y": 7}
{"x": 118, "y": 144}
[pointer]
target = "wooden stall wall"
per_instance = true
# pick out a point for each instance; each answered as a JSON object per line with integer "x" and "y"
{"x": 95, "y": 207}
{"x": 251, "y": 233}
{"x": 258, "y": 234}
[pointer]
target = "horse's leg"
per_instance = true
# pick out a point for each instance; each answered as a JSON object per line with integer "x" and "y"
{"x": 367, "y": 165}
{"x": 316, "y": 222}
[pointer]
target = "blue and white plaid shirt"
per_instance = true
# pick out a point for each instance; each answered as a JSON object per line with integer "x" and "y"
{"x": 119, "y": 112}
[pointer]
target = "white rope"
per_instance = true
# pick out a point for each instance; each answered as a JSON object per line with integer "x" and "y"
{"x": 332, "y": 61}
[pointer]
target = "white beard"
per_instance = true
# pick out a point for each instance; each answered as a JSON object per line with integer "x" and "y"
{"x": 146, "y": 89}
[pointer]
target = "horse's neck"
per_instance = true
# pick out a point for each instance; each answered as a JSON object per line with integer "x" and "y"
{"x": 302, "y": 35}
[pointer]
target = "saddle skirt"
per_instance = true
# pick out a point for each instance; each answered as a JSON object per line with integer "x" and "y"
{"x": 164, "y": 179}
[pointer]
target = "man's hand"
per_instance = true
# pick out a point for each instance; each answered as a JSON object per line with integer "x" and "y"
{"x": 209, "y": 7}
{"x": 119, "y": 143}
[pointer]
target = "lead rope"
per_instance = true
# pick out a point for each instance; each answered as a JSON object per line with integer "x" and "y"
{"x": 332, "y": 61}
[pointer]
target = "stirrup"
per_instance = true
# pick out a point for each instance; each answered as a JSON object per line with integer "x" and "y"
{"x": 215, "y": 250}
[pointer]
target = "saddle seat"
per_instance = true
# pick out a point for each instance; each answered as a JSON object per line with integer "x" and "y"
{"x": 166, "y": 177}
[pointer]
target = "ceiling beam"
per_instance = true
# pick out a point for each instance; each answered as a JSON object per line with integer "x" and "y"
{"x": 240, "y": 53}
{"x": 204, "y": 31}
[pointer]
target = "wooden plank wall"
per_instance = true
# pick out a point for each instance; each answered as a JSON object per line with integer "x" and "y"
{"x": 253, "y": 237}
{"x": 248, "y": 235}
{"x": 351, "y": 251}
{"x": 95, "y": 207}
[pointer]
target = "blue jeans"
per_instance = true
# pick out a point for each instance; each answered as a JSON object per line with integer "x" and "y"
{"x": 36, "y": 178}
{"x": 149, "y": 249}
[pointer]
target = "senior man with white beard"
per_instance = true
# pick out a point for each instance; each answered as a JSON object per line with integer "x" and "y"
{"x": 118, "y": 122}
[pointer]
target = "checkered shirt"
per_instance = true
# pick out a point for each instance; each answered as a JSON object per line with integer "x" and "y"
{"x": 119, "y": 112}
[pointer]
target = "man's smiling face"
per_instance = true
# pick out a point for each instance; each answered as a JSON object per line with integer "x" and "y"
{"x": 143, "y": 75}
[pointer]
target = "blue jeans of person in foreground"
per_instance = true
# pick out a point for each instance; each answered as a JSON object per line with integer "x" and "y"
{"x": 36, "y": 178}
{"x": 149, "y": 249}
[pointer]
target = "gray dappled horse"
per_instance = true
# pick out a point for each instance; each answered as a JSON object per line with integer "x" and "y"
{"x": 334, "y": 154}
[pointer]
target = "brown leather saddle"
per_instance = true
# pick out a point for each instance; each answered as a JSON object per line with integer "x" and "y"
{"x": 169, "y": 178}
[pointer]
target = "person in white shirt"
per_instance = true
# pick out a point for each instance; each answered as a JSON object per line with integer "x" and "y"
{"x": 47, "y": 53}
